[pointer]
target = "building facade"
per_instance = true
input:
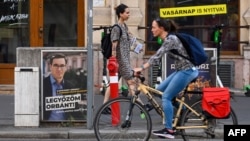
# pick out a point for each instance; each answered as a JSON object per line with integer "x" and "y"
{"x": 63, "y": 23}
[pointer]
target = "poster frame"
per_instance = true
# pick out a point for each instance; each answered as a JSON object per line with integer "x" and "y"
{"x": 76, "y": 69}
{"x": 209, "y": 68}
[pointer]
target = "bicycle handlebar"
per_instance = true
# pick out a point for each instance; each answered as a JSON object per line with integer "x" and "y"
{"x": 101, "y": 27}
{"x": 139, "y": 76}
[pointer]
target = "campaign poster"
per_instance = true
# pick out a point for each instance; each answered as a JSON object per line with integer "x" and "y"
{"x": 64, "y": 85}
{"x": 207, "y": 72}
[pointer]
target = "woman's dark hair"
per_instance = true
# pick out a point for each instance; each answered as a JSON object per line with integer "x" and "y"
{"x": 167, "y": 24}
{"x": 120, "y": 9}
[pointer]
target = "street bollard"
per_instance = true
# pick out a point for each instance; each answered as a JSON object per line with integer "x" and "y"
{"x": 113, "y": 74}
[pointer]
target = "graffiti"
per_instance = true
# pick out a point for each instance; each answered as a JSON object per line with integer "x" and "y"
{"x": 9, "y": 12}
{"x": 8, "y": 18}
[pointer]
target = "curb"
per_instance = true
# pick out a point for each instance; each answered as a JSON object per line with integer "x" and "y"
{"x": 46, "y": 133}
{"x": 59, "y": 133}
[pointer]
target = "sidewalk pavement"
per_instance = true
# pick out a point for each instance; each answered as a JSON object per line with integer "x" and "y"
{"x": 60, "y": 133}
{"x": 46, "y": 132}
{"x": 8, "y": 130}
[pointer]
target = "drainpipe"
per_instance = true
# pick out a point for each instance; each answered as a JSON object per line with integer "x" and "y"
{"x": 246, "y": 51}
{"x": 246, "y": 16}
{"x": 90, "y": 67}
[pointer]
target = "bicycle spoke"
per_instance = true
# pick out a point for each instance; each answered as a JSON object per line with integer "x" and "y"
{"x": 137, "y": 128}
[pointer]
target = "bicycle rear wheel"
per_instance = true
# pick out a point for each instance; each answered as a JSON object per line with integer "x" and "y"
{"x": 116, "y": 126}
{"x": 215, "y": 126}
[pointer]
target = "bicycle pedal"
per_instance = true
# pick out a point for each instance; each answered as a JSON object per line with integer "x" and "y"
{"x": 149, "y": 107}
{"x": 124, "y": 93}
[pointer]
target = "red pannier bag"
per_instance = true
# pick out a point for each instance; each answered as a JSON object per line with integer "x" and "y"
{"x": 216, "y": 102}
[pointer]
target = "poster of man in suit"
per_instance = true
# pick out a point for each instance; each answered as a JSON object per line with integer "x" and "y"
{"x": 64, "y": 85}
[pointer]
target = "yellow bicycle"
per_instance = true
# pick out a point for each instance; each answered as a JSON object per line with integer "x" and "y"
{"x": 131, "y": 121}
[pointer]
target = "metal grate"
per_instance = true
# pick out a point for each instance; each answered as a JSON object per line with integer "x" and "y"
{"x": 226, "y": 73}
{"x": 153, "y": 75}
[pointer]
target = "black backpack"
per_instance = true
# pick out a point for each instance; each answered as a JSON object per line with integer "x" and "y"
{"x": 106, "y": 44}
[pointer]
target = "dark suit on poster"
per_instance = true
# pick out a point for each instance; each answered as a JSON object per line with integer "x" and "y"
{"x": 47, "y": 92}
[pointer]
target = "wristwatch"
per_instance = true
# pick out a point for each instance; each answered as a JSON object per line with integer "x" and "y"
{"x": 142, "y": 67}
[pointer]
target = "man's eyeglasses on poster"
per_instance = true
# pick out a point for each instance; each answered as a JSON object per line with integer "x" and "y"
{"x": 59, "y": 66}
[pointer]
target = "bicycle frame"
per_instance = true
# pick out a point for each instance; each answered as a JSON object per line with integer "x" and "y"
{"x": 135, "y": 120}
{"x": 146, "y": 91}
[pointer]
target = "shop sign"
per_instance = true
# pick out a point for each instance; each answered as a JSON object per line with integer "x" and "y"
{"x": 193, "y": 11}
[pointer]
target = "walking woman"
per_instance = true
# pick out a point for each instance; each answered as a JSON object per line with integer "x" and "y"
{"x": 121, "y": 46}
{"x": 121, "y": 49}
{"x": 184, "y": 72}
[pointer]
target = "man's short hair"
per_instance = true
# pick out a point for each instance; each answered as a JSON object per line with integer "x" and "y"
{"x": 57, "y": 56}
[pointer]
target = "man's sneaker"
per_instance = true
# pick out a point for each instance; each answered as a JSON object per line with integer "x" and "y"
{"x": 164, "y": 133}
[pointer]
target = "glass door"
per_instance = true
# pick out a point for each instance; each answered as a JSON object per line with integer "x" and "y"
{"x": 60, "y": 23}
{"x": 14, "y": 17}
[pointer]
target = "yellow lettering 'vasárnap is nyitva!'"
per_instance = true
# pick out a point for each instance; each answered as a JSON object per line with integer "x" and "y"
{"x": 193, "y": 11}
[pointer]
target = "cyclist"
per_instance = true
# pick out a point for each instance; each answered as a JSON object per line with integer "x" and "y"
{"x": 184, "y": 72}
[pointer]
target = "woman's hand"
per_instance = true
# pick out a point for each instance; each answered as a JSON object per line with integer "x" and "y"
{"x": 137, "y": 71}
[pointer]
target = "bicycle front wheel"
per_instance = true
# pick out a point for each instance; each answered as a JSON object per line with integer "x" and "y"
{"x": 215, "y": 126}
{"x": 117, "y": 125}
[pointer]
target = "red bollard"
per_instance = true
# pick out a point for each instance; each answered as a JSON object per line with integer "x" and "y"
{"x": 113, "y": 74}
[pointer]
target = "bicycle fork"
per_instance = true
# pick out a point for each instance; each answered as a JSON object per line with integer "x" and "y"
{"x": 127, "y": 122}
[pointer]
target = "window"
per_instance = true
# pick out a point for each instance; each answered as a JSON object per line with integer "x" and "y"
{"x": 199, "y": 26}
{"x": 60, "y": 23}
{"x": 14, "y": 17}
